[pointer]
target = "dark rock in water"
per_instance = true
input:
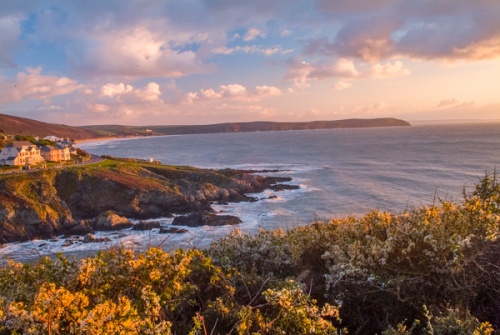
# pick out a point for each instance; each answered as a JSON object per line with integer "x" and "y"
{"x": 146, "y": 225}
{"x": 79, "y": 229}
{"x": 283, "y": 187}
{"x": 109, "y": 220}
{"x": 173, "y": 230}
{"x": 90, "y": 238}
{"x": 205, "y": 219}
{"x": 273, "y": 197}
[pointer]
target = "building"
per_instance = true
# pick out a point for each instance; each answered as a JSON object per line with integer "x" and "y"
{"x": 20, "y": 153}
{"x": 59, "y": 153}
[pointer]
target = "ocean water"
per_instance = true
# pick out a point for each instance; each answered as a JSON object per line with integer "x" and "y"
{"x": 340, "y": 172}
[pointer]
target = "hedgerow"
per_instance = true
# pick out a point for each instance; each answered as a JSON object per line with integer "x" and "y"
{"x": 429, "y": 270}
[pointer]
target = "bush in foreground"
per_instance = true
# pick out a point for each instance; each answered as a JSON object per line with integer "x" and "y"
{"x": 429, "y": 270}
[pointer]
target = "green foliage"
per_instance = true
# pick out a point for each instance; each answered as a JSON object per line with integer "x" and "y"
{"x": 429, "y": 270}
{"x": 28, "y": 138}
{"x": 382, "y": 268}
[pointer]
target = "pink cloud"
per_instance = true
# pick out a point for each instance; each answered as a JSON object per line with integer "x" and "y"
{"x": 33, "y": 85}
{"x": 388, "y": 70}
{"x": 253, "y": 34}
{"x": 383, "y": 29}
{"x": 302, "y": 72}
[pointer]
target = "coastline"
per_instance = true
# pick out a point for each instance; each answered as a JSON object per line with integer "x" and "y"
{"x": 107, "y": 138}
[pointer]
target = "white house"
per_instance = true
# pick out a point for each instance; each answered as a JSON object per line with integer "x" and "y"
{"x": 20, "y": 153}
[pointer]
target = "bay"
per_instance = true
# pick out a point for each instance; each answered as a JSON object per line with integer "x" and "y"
{"x": 340, "y": 171}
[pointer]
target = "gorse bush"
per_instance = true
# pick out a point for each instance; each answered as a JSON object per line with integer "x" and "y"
{"x": 428, "y": 270}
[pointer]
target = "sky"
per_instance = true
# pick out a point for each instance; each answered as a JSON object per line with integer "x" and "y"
{"x": 152, "y": 62}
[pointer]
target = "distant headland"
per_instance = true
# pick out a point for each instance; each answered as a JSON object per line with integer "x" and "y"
{"x": 24, "y": 126}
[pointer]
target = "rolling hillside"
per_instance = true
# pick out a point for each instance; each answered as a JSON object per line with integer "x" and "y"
{"x": 14, "y": 125}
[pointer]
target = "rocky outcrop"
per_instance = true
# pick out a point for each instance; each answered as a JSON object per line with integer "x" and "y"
{"x": 205, "y": 219}
{"x": 79, "y": 200}
{"x": 111, "y": 221}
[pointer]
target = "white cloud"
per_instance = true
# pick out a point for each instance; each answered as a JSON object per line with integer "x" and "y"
{"x": 136, "y": 52}
{"x": 112, "y": 90}
{"x": 232, "y": 92}
{"x": 131, "y": 95}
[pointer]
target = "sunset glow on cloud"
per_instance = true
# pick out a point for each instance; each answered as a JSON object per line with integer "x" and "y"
{"x": 208, "y": 61}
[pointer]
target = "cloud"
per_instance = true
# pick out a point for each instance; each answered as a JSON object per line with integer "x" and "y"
{"x": 137, "y": 52}
{"x": 388, "y": 70}
{"x": 33, "y": 85}
{"x": 235, "y": 92}
{"x": 302, "y": 72}
{"x": 128, "y": 94}
{"x": 253, "y": 34}
{"x": 453, "y": 103}
{"x": 267, "y": 91}
{"x": 112, "y": 90}
{"x": 383, "y": 29}
{"x": 341, "y": 68}
{"x": 252, "y": 49}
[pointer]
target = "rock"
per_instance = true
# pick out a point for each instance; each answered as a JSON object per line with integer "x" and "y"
{"x": 79, "y": 229}
{"x": 173, "y": 230}
{"x": 109, "y": 220}
{"x": 273, "y": 197}
{"x": 90, "y": 238}
{"x": 205, "y": 219}
{"x": 67, "y": 243}
{"x": 54, "y": 239}
{"x": 283, "y": 187}
{"x": 146, "y": 225}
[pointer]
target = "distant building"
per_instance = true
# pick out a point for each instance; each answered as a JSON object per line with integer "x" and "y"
{"x": 52, "y": 138}
{"x": 59, "y": 153}
{"x": 20, "y": 153}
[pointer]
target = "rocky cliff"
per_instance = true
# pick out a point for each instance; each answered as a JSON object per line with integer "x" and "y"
{"x": 43, "y": 203}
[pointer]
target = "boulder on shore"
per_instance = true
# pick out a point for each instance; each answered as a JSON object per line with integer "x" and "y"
{"x": 109, "y": 220}
{"x": 205, "y": 219}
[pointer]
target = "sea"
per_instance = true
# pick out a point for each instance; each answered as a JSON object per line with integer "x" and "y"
{"x": 340, "y": 172}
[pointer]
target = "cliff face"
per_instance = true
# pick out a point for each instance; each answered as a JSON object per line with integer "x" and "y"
{"x": 44, "y": 203}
